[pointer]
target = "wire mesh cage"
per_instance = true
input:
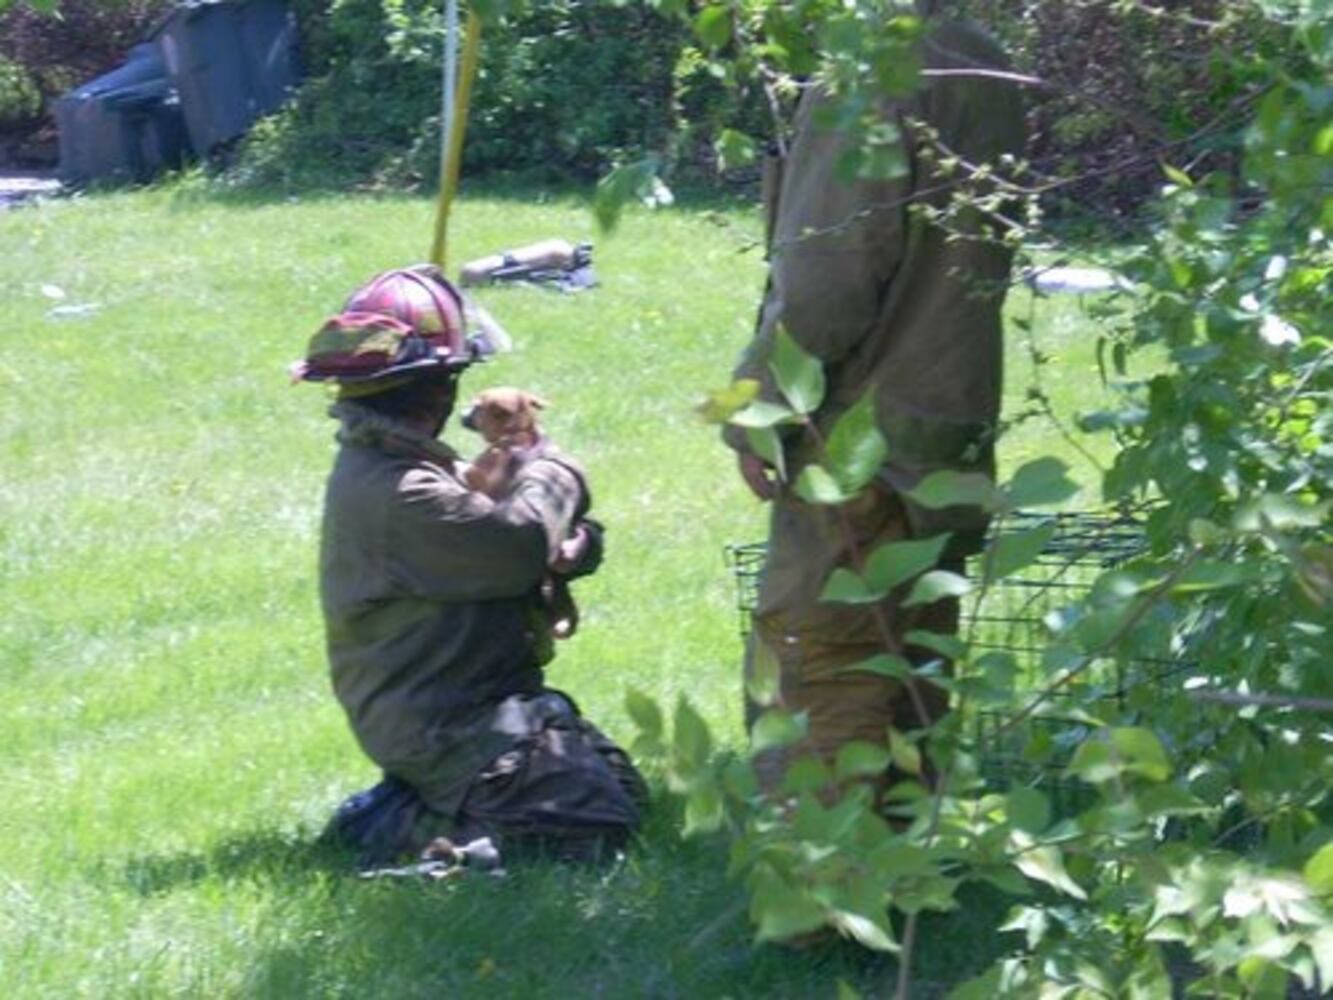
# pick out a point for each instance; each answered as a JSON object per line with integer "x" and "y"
{"x": 1013, "y": 617}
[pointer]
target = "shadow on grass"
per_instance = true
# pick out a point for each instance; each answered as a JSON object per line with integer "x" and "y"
{"x": 665, "y": 922}
{"x": 270, "y": 856}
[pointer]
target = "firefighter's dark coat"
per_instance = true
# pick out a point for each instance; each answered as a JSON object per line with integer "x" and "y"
{"x": 428, "y": 591}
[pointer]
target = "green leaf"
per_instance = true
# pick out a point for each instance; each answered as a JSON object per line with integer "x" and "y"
{"x": 987, "y": 986}
{"x": 767, "y": 444}
{"x": 891, "y": 564}
{"x": 806, "y": 774}
{"x": 1263, "y": 979}
{"x": 1032, "y": 921}
{"x": 691, "y": 741}
{"x": 712, "y": 25}
{"x": 1093, "y": 762}
{"x": 644, "y": 713}
{"x": 856, "y": 449}
{"x": 906, "y": 755}
{"x": 733, "y": 149}
{"x": 1212, "y": 574}
{"x": 1143, "y": 752}
{"x": 864, "y": 931}
{"x": 799, "y": 375}
{"x": 703, "y": 809}
{"x": 1039, "y": 747}
{"x": 998, "y": 666}
{"x": 739, "y": 780}
{"x": 1204, "y": 532}
{"x": 1006, "y": 880}
{"x": 1041, "y": 483}
{"x": 817, "y": 486}
{"x": 1045, "y": 864}
{"x": 720, "y": 405}
{"x": 1125, "y": 750}
{"x": 1028, "y": 809}
{"x": 897, "y": 562}
{"x": 1013, "y": 551}
{"x": 947, "y": 488}
{"x": 895, "y": 861}
{"x": 763, "y": 683}
{"x": 936, "y": 586}
{"x": 882, "y": 665}
{"x": 947, "y": 645}
{"x": 763, "y": 414}
{"x": 1170, "y": 800}
{"x": 1169, "y": 929}
{"x": 1323, "y": 146}
{"x": 629, "y": 182}
{"x": 1321, "y": 945}
{"x": 781, "y": 911}
{"x": 776, "y": 728}
{"x": 845, "y": 587}
{"x": 1177, "y": 176}
{"x": 860, "y": 759}
{"x": 1318, "y": 872}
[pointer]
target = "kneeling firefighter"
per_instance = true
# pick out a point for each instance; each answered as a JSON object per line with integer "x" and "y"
{"x": 428, "y": 592}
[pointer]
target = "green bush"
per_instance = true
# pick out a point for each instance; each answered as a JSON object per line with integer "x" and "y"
{"x": 20, "y": 99}
{"x": 1126, "y": 85}
{"x": 570, "y": 87}
{"x": 55, "y": 53}
{"x": 565, "y": 90}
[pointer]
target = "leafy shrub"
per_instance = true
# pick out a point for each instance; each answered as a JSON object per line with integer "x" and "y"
{"x": 1120, "y": 81}
{"x": 566, "y": 89}
{"x": 1199, "y": 849}
{"x": 20, "y": 99}
{"x": 88, "y": 38}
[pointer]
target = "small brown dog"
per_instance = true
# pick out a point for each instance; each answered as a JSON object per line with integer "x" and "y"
{"x": 506, "y": 418}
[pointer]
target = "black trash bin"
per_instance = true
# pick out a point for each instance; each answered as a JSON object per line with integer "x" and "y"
{"x": 231, "y": 61}
{"x": 208, "y": 70}
{"x": 153, "y": 115}
{"x": 122, "y": 126}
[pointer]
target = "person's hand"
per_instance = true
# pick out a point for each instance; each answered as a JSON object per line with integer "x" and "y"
{"x": 758, "y": 475}
{"x": 581, "y": 553}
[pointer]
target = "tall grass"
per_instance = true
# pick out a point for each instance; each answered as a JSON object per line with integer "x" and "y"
{"x": 170, "y": 746}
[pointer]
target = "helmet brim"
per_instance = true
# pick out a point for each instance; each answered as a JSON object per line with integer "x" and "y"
{"x": 391, "y": 372}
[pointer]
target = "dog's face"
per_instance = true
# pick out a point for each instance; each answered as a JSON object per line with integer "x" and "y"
{"x": 504, "y": 414}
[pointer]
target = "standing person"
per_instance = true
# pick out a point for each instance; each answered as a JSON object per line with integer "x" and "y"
{"x": 896, "y": 306}
{"x": 432, "y": 605}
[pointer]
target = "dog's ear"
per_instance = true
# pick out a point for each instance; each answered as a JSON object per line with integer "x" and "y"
{"x": 536, "y": 402}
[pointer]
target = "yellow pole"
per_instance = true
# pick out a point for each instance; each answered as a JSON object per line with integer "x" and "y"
{"x": 453, "y": 155}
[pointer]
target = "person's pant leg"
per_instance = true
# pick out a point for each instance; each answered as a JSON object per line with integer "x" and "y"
{"x": 567, "y": 793}
{"x": 816, "y": 644}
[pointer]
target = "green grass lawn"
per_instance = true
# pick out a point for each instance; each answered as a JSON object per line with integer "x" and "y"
{"x": 170, "y": 744}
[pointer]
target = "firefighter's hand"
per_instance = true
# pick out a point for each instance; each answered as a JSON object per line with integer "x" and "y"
{"x": 758, "y": 475}
{"x": 581, "y": 553}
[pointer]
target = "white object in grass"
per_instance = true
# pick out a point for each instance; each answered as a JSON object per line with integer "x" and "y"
{"x": 1078, "y": 280}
